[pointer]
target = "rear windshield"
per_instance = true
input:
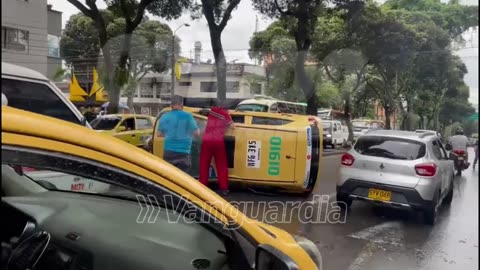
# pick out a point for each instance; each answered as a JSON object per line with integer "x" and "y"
{"x": 387, "y": 147}
{"x": 105, "y": 123}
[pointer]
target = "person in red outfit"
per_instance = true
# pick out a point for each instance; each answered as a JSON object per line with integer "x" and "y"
{"x": 213, "y": 145}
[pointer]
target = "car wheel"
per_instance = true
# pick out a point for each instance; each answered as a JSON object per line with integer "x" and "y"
{"x": 448, "y": 199}
{"x": 430, "y": 214}
{"x": 343, "y": 201}
{"x": 306, "y": 193}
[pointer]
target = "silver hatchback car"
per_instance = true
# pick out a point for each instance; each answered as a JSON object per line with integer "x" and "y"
{"x": 399, "y": 169}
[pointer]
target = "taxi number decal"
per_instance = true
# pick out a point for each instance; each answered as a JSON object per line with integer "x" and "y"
{"x": 253, "y": 154}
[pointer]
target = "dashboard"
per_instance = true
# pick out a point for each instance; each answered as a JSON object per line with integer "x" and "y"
{"x": 72, "y": 231}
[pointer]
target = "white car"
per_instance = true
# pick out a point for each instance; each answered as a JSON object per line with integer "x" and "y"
{"x": 399, "y": 169}
{"x": 334, "y": 133}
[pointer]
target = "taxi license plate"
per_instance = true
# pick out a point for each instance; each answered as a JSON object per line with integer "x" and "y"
{"x": 460, "y": 158}
{"x": 380, "y": 195}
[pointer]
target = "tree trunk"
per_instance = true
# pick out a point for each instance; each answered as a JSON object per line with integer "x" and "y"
{"x": 346, "y": 111}
{"x": 388, "y": 114}
{"x": 220, "y": 65}
{"x": 305, "y": 83}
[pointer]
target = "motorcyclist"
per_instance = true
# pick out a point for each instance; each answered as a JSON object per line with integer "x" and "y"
{"x": 459, "y": 142}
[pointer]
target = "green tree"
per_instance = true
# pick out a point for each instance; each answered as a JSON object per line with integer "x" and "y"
{"x": 133, "y": 12}
{"x": 302, "y": 17}
{"x": 150, "y": 47}
{"x": 217, "y": 13}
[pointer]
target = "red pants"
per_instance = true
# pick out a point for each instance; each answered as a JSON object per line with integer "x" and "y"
{"x": 216, "y": 150}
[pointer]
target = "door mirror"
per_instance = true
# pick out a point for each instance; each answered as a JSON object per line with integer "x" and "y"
{"x": 270, "y": 258}
{"x": 121, "y": 128}
{"x": 448, "y": 147}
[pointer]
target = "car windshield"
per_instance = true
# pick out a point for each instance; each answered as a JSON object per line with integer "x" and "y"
{"x": 390, "y": 147}
{"x": 105, "y": 123}
{"x": 252, "y": 108}
{"x": 326, "y": 125}
{"x": 59, "y": 181}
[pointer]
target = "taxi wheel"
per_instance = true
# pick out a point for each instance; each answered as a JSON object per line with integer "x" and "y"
{"x": 306, "y": 193}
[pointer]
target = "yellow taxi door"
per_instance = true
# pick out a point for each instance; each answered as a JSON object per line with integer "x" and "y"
{"x": 130, "y": 134}
{"x": 144, "y": 128}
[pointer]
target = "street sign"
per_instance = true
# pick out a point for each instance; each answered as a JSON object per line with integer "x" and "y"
{"x": 473, "y": 116}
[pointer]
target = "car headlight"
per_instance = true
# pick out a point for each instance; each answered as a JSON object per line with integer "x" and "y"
{"x": 329, "y": 135}
{"x": 311, "y": 250}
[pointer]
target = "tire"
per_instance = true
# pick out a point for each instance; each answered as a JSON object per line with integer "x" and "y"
{"x": 306, "y": 193}
{"x": 430, "y": 214}
{"x": 343, "y": 201}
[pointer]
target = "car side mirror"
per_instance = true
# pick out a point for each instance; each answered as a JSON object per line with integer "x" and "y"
{"x": 121, "y": 128}
{"x": 448, "y": 147}
{"x": 270, "y": 258}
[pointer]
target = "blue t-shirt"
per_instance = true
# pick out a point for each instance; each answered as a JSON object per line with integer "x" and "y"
{"x": 178, "y": 127}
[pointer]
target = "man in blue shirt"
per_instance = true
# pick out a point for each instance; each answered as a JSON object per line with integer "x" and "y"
{"x": 178, "y": 128}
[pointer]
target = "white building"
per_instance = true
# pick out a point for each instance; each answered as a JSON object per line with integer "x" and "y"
{"x": 198, "y": 85}
{"x": 31, "y": 34}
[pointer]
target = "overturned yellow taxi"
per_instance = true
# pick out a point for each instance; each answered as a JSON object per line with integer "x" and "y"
{"x": 132, "y": 128}
{"x": 281, "y": 151}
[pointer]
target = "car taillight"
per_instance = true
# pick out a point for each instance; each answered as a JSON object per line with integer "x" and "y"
{"x": 459, "y": 152}
{"x": 347, "y": 159}
{"x": 426, "y": 169}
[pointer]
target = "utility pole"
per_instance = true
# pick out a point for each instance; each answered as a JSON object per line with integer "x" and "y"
{"x": 172, "y": 92}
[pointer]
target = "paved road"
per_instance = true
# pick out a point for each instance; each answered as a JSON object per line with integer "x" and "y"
{"x": 373, "y": 238}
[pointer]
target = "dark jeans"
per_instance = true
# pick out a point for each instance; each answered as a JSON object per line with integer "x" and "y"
{"x": 179, "y": 160}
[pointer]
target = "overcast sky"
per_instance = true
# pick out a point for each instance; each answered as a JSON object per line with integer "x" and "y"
{"x": 240, "y": 28}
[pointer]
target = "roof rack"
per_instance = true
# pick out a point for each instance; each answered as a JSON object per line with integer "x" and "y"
{"x": 426, "y": 133}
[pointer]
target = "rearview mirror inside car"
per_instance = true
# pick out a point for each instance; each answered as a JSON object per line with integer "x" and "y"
{"x": 270, "y": 258}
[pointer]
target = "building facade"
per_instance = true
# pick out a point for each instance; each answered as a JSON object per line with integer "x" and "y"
{"x": 198, "y": 85}
{"x": 31, "y": 32}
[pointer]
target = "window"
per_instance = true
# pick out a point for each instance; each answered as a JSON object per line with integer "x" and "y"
{"x": 163, "y": 88}
{"x": 274, "y": 107}
{"x": 146, "y": 90}
{"x": 233, "y": 87}
{"x": 105, "y": 123}
{"x": 238, "y": 119}
{"x": 129, "y": 124}
{"x": 53, "y": 46}
{"x": 269, "y": 121}
{"x": 256, "y": 88}
{"x": 143, "y": 123}
{"x": 208, "y": 87}
{"x": 185, "y": 83}
{"x": 388, "y": 147}
{"x": 438, "y": 150}
{"x": 282, "y": 107}
{"x": 37, "y": 98}
{"x": 15, "y": 39}
{"x": 252, "y": 108}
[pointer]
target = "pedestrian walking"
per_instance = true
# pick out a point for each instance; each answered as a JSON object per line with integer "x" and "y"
{"x": 178, "y": 127}
{"x": 213, "y": 146}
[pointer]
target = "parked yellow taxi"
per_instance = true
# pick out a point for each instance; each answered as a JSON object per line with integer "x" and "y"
{"x": 151, "y": 216}
{"x": 132, "y": 128}
{"x": 279, "y": 151}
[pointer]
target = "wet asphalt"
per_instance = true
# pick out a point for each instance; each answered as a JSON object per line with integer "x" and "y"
{"x": 369, "y": 237}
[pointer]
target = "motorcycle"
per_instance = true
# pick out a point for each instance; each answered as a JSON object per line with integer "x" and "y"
{"x": 460, "y": 159}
